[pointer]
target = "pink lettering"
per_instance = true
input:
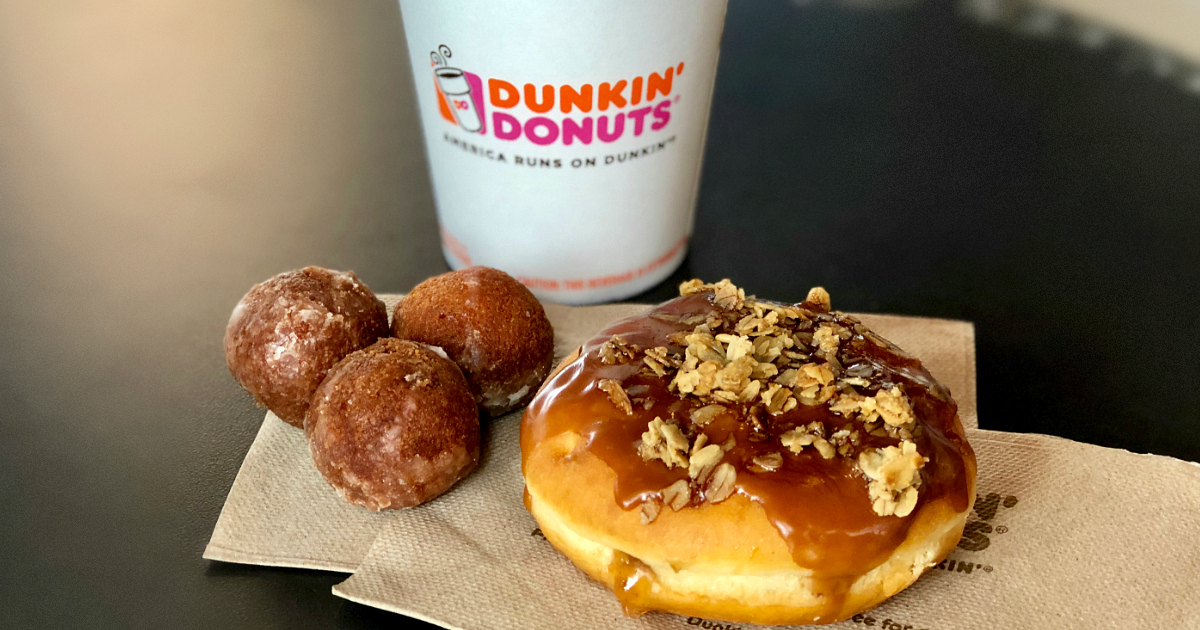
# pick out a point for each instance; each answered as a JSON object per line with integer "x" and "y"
{"x": 618, "y": 128}
{"x": 662, "y": 115}
{"x": 638, "y": 116}
{"x": 541, "y": 122}
{"x": 572, "y": 131}
{"x": 506, "y": 126}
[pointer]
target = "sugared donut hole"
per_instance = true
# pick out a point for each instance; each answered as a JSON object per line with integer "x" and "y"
{"x": 286, "y": 332}
{"x": 490, "y": 325}
{"x": 393, "y": 425}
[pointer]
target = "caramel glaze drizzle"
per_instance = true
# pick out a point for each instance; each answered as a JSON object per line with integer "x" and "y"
{"x": 819, "y": 506}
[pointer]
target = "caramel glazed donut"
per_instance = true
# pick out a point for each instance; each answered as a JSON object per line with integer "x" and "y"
{"x": 747, "y": 461}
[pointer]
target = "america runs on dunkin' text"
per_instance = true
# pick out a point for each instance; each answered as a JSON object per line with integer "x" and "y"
{"x": 534, "y": 161}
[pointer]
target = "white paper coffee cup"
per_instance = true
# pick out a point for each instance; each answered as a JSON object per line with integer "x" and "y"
{"x": 565, "y": 138}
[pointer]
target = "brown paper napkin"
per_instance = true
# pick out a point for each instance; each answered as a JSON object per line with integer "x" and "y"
{"x": 280, "y": 512}
{"x": 1064, "y": 535}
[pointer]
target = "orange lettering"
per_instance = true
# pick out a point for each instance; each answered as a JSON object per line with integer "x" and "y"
{"x": 539, "y": 283}
{"x": 611, "y": 95}
{"x": 635, "y": 91}
{"x": 659, "y": 84}
{"x": 531, "y": 101}
{"x": 567, "y": 96}
{"x": 502, "y": 93}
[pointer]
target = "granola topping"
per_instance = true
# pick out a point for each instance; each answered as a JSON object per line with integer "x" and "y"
{"x": 616, "y": 351}
{"x": 894, "y": 480}
{"x": 721, "y": 483}
{"x": 665, "y": 442}
{"x": 769, "y": 359}
{"x": 617, "y": 395}
{"x": 795, "y": 407}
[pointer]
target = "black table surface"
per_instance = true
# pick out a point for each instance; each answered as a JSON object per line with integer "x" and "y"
{"x": 912, "y": 159}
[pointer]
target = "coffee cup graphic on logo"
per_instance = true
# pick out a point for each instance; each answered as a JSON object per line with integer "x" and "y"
{"x": 454, "y": 87}
{"x": 455, "y": 92}
{"x": 565, "y": 139}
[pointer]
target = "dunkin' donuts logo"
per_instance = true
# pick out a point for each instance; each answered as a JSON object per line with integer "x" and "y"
{"x": 976, "y": 534}
{"x": 597, "y": 112}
